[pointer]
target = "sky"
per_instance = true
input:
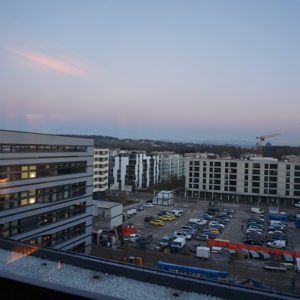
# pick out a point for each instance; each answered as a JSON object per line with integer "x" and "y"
{"x": 189, "y": 70}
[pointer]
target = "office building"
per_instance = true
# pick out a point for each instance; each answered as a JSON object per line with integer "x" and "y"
{"x": 256, "y": 179}
{"x": 46, "y": 189}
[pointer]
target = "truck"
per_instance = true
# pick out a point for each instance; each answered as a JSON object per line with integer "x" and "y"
{"x": 202, "y": 252}
{"x": 178, "y": 243}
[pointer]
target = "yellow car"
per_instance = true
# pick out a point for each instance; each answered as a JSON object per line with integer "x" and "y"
{"x": 157, "y": 222}
{"x": 172, "y": 217}
{"x": 165, "y": 218}
{"x": 214, "y": 230}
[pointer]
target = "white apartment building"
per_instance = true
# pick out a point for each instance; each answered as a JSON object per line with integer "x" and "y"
{"x": 133, "y": 170}
{"x": 46, "y": 189}
{"x": 258, "y": 179}
{"x": 170, "y": 164}
{"x": 101, "y": 160}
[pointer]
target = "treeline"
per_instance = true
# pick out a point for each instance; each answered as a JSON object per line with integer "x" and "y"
{"x": 152, "y": 145}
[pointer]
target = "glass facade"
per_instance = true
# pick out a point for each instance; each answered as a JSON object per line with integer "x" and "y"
{"x": 20, "y": 172}
{"x": 42, "y": 195}
{"x": 19, "y": 226}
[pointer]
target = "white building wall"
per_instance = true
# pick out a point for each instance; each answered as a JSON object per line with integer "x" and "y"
{"x": 101, "y": 168}
{"x": 135, "y": 163}
{"x": 266, "y": 178}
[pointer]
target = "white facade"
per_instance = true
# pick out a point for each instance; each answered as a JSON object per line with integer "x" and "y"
{"x": 164, "y": 198}
{"x": 133, "y": 170}
{"x": 257, "y": 179}
{"x": 46, "y": 189}
{"x": 107, "y": 215}
{"x": 101, "y": 160}
{"x": 171, "y": 164}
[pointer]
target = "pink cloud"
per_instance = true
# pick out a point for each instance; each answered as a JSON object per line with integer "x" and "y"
{"x": 50, "y": 62}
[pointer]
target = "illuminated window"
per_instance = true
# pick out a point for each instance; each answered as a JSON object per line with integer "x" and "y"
{"x": 24, "y": 172}
{"x": 24, "y": 201}
{"x": 32, "y": 173}
{"x": 31, "y": 200}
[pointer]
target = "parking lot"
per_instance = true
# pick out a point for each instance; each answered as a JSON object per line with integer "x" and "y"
{"x": 239, "y": 269}
{"x": 232, "y": 231}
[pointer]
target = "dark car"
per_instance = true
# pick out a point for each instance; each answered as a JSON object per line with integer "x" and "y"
{"x": 206, "y": 216}
{"x": 220, "y": 221}
{"x": 212, "y": 235}
{"x": 149, "y": 218}
{"x": 162, "y": 212}
{"x": 291, "y": 218}
{"x": 257, "y": 220}
{"x": 193, "y": 248}
{"x": 258, "y": 242}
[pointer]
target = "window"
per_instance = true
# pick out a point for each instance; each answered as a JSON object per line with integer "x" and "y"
{"x": 24, "y": 174}
{"x": 43, "y": 195}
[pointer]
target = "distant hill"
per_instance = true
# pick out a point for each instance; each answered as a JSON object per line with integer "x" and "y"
{"x": 181, "y": 147}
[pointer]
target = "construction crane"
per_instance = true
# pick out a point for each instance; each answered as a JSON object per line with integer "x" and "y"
{"x": 263, "y": 137}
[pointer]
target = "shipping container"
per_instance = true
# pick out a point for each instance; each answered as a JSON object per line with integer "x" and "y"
{"x": 278, "y": 217}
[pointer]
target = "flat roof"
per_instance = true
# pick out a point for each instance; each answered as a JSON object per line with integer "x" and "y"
{"x": 106, "y": 204}
{"x": 23, "y": 137}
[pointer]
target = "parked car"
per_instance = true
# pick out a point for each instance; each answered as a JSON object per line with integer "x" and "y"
{"x": 206, "y": 216}
{"x": 198, "y": 221}
{"x": 297, "y": 204}
{"x": 157, "y": 222}
{"x": 212, "y": 223}
{"x": 148, "y": 205}
{"x": 291, "y": 218}
{"x": 253, "y": 241}
{"x": 201, "y": 237}
{"x": 280, "y": 244}
{"x": 166, "y": 218}
{"x": 182, "y": 234}
{"x": 193, "y": 248}
{"x": 212, "y": 235}
{"x": 149, "y": 218}
{"x": 140, "y": 207}
{"x": 133, "y": 237}
{"x": 215, "y": 230}
{"x": 175, "y": 212}
{"x": 166, "y": 241}
{"x": 162, "y": 212}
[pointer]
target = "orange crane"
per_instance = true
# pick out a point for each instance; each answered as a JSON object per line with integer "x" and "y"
{"x": 263, "y": 137}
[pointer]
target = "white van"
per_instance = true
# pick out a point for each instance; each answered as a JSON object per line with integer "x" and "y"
{"x": 257, "y": 211}
{"x": 178, "y": 243}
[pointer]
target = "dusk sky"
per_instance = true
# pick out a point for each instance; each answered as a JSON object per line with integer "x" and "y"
{"x": 180, "y": 70}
